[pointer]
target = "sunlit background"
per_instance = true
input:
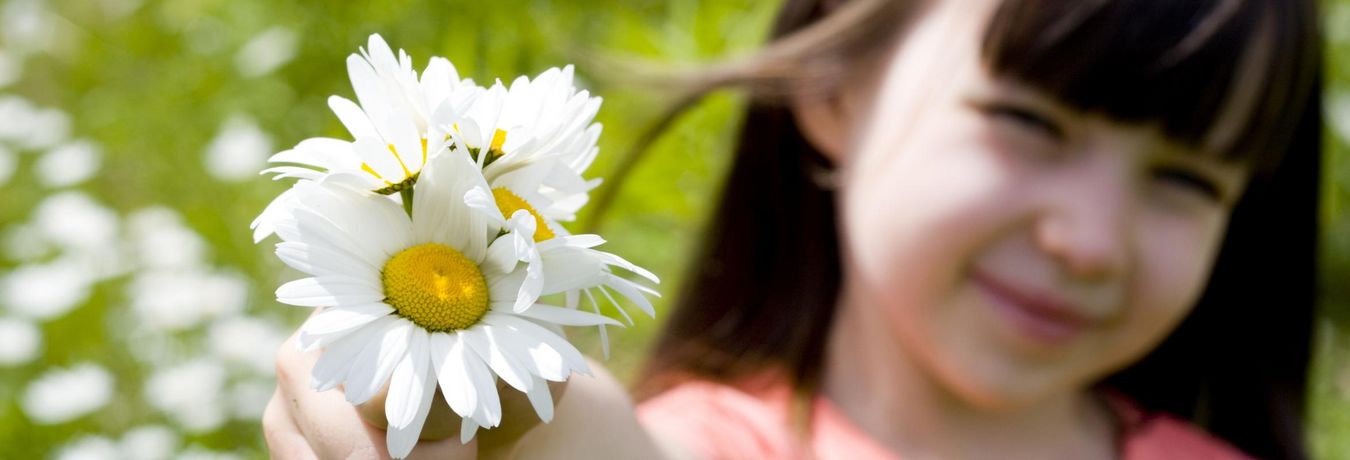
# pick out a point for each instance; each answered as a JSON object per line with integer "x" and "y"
{"x": 137, "y": 318}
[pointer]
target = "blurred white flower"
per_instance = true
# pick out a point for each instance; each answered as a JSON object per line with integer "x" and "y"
{"x": 172, "y": 300}
{"x": 89, "y": 448}
{"x": 266, "y": 52}
{"x": 76, "y": 222}
{"x": 11, "y": 67}
{"x": 45, "y": 291}
{"x": 190, "y": 394}
{"x": 238, "y": 151}
{"x": 25, "y": 25}
{"x": 68, "y": 164}
{"x": 62, "y": 395}
{"x": 150, "y": 442}
{"x": 7, "y": 161}
{"x": 249, "y": 398}
{"x": 246, "y": 340}
{"x": 14, "y": 116}
{"x": 24, "y": 243}
{"x": 29, "y": 127}
{"x": 161, "y": 240}
{"x": 19, "y": 341}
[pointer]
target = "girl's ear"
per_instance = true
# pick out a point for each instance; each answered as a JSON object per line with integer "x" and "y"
{"x": 825, "y": 122}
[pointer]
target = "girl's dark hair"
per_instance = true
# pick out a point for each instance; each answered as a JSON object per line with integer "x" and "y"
{"x": 761, "y": 296}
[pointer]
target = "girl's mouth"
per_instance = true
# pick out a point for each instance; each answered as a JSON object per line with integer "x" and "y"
{"x": 1037, "y": 315}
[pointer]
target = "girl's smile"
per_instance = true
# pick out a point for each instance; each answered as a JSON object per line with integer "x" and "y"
{"x": 1037, "y": 314}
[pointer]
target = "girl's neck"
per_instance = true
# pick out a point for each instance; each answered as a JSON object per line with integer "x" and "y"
{"x": 874, "y": 381}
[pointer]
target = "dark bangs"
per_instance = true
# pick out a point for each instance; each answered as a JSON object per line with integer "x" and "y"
{"x": 1175, "y": 63}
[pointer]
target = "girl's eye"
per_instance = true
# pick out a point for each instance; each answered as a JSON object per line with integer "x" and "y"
{"x": 1028, "y": 119}
{"x": 1188, "y": 181}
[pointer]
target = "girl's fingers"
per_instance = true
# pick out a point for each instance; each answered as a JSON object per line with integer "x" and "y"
{"x": 283, "y": 437}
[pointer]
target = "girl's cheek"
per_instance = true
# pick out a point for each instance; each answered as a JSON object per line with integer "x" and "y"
{"x": 1175, "y": 258}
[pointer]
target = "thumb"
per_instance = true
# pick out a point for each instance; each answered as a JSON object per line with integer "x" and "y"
{"x": 442, "y": 423}
{"x": 518, "y": 416}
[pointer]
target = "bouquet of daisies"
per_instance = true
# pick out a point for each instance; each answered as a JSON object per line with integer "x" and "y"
{"x": 432, "y": 237}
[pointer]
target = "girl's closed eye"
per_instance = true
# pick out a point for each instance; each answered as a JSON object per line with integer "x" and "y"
{"x": 1021, "y": 128}
{"x": 1027, "y": 119}
{"x": 1189, "y": 182}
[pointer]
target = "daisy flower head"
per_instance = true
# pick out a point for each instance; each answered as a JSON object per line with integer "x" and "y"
{"x": 533, "y": 142}
{"x": 422, "y": 300}
{"x": 391, "y": 125}
{"x": 533, "y": 139}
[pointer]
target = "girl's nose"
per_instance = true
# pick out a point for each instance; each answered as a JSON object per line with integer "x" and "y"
{"x": 1086, "y": 223}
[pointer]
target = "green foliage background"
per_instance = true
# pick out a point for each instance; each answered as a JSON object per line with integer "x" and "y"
{"x": 152, "y": 83}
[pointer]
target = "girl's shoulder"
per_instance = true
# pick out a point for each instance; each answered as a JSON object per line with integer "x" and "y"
{"x": 753, "y": 419}
{"x": 715, "y": 420}
{"x": 1159, "y": 435}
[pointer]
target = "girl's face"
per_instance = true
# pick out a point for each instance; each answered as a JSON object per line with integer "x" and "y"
{"x": 1019, "y": 248}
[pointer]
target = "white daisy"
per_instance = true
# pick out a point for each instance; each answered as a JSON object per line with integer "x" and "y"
{"x": 391, "y": 127}
{"x": 421, "y": 301}
{"x": 533, "y": 142}
{"x": 536, "y": 139}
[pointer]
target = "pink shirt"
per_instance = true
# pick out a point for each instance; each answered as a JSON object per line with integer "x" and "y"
{"x": 718, "y": 421}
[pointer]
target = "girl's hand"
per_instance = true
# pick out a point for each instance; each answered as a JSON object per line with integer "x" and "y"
{"x": 596, "y": 416}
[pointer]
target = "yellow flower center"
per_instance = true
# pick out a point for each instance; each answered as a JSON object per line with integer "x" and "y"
{"x": 435, "y": 287}
{"x": 509, "y": 203}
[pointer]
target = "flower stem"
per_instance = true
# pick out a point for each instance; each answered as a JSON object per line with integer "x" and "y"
{"x": 407, "y": 194}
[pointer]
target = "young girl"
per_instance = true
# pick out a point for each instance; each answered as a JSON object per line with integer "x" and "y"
{"x": 973, "y": 229}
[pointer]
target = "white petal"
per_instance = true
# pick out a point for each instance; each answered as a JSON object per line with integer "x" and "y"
{"x": 264, "y": 225}
{"x": 533, "y": 284}
{"x": 377, "y": 361}
{"x": 632, "y": 292}
{"x": 484, "y": 344}
{"x": 401, "y": 440}
{"x": 566, "y": 316}
{"x": 505, "y": 288}
{"x": 501, "y": 256}
{"x": 369, "y": 90}
{"x": 552, "y": 356}
{"x": 447, "y": 353}
{"x": 336, "y": 360}
{"x": 329, "y": 290}
{"x": 319, "y": 260}
{"x": 439, "y": 212}
{"x": 292, "y": 172}
{"x": 353, "y": 118}
{"x": 481, "y": 199}
{"x": 542, "y": 400}
{"x": 628, "y": 319}
{"x": 368, "y": 226}
{"x": 341, "y": 320}
{"x": 467, "y": 429}
{"x": 374, "y": 152}
{"x": 567, "y": 268}
{"x": 438, "y": 79}
{"x": 604, "y": 335}
{"x": 483, "y": 382}
{"x": 408, "y": 384}
{"x": 576, "y": 241}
